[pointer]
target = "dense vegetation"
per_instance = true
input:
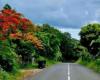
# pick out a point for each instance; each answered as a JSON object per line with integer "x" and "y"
{"x": 90, "y": 39}
{"x": 21, "y": 41}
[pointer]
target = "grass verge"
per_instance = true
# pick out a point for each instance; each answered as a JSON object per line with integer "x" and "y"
{"x": 29, "y": 70}
{"x": 92, "y": 64}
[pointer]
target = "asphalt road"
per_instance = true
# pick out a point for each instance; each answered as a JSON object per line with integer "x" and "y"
{"x": 67, "y": 71}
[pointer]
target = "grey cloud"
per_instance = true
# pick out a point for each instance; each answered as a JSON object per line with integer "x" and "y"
{"x": 61, "y": 13}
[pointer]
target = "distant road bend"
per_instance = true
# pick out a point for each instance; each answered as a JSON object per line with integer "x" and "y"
{"x": 67, "y": 71}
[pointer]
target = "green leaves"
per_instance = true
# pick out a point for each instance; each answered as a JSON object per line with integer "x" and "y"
{"x": 51, "y": 40}
{"x": 90, "y": 37}
{"x": 8, "y": 58}
{"x": 7, "y": 6}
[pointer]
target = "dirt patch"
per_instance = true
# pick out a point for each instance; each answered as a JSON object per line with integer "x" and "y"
{"x": 29, "y": 73}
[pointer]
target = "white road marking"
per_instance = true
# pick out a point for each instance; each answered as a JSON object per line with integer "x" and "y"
{"x": 68, "y": 72}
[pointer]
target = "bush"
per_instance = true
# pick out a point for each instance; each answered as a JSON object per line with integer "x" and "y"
{"x": 97, "y": 62}
{"x": 4, "y": 75}
{"x": 8, "y": 58}
{"x": 26, "y": 51}
{"x": 93, "y": 64}
{"x": 40, "y": 58}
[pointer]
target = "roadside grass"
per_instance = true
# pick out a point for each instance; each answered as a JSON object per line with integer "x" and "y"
{"x": 26, "y": 71}
{"x": 93, "y": 64}
{"x": 21, "y": 75}
{"x": 35, "y": 64}
{"x": 51, "y": 62}
{"x": 10, "y": 76}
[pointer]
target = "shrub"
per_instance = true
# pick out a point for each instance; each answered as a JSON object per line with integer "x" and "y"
{"x": 4, "y": 75}
{"x": 8, "y": 58}
{"x": 25, "y": 51}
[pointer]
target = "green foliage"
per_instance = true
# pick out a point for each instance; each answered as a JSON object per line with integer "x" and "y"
{"x": 68, "y": 46}
{"x": 25, "y": 51}
{"x": 40, "y": 58}
{"x": 51, "y": 62}
{"x": 51, "y": 39}
{"x": 93, "y": 64}
{"x": 84, "y": 54}
{"x": 8, "y": 58}
{"x": 4, "y": 75}
{"x": 7, "y": 6}
{"x": 90, "y": 37}
{"x": 57, "y": 45}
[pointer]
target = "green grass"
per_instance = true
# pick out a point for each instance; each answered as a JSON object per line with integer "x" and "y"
{"x": 48, "y": 63}
{"x": 18, "y": 75}
{"x": 51, "y": 62}
{"x": 93, "y": 64}
{"x": 10, "y": 76}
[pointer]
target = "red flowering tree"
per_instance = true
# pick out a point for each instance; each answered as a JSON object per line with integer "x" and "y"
{"x": 17, "y": 31}
{"x": 12, "y": 22}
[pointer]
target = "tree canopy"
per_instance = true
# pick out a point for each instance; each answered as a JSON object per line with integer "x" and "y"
{"x": 90, "y": 37}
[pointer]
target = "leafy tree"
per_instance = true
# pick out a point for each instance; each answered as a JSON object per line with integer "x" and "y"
{"x": 12, "y": 22}
{"x": 49, "y": 29}
{"x": 90, "y": 37}
{"x": 68, "y": 46}
{"x": 7, "y": 6}
{"x": 51, "y": 38}
{"x": 13, "y": 27}
{"x": 26, "y": 51}
{"x": 83, "y": 53}
{"x": 28, "y": 37}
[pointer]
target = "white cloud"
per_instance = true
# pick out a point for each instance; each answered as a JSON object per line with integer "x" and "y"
{"x": 74, "y": 32}
{"x": 94, "y": 21}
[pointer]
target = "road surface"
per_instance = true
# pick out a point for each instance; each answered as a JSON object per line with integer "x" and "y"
{"x": 66, "y": 71}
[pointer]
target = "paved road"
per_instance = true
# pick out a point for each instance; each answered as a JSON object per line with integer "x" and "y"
{"x": 67, "y": 71}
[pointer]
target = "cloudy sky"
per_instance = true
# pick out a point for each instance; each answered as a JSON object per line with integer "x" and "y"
{"x": 66, "y": 15}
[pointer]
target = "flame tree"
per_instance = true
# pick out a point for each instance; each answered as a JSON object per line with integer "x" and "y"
{"x": 15, "y": 27}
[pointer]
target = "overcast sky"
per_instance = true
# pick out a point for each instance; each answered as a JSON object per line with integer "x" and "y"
{"x": 67, "y": 15}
